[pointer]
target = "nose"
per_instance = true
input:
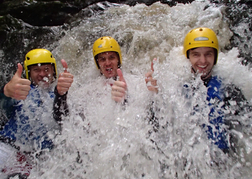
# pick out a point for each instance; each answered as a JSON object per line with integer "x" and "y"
{"x": 203, "y": 59}
{"x": 107, "y": 62}
{"x": 42, "y": 73}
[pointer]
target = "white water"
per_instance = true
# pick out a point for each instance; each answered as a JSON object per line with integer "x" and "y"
{"x": 101, "y": 139}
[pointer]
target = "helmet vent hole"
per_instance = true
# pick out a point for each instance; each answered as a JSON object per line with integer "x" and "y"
{"x": 51, "y": 56}
{"x": 111, "y": 47}
{"x": 212, "y": 42}
{"x": 190, "y": 43}
{"x": 28, "y": 58}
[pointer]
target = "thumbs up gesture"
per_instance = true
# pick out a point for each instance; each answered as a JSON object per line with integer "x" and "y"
{"x": 150, "y": 82}
{"x": 119, "y": 88}
{"x": 65, "y": 79}
{"x": 17, "y": 87}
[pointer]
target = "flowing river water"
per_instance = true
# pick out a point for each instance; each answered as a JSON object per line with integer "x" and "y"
{"x": 104, "y": 139}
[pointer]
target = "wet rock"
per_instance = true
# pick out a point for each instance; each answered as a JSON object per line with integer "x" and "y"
{"x": 51, "y": 13}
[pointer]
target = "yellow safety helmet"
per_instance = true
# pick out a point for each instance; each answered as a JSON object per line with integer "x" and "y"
{"x": 37, "y": 56}
{"x": 201, "y": 37}
{"x": 106, "y": 44}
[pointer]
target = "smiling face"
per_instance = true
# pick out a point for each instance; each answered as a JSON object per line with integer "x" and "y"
{"x": 202, "y": 60}
{"x": 108, "y": 63}
{"x": 42, "y": 74}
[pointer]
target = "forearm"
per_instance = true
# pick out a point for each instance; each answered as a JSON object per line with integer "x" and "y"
{"x": 2, "y": 95}
{"x": 6, "y": 102}
{"x": 60, "y": 107}
{"x": 7, "y": 107}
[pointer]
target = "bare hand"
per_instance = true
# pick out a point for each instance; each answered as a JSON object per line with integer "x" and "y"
{"x": 65, "y": 79}
{"x": 150, "y": 82}
{"x": 119, "y": 88}
{"x": 17, "y": 88}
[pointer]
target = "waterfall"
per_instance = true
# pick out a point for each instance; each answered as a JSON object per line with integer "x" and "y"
{"x": 103, "y": 139}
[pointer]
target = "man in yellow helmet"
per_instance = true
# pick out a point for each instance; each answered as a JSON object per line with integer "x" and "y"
{"x": 33, "y": 108}
{"x": 201, "y": 48}
{"x": 108, "y": 59}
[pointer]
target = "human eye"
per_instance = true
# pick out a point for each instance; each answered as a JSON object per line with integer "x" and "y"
{"x": 101, "y": 59}
{"x": 195, "y": 54}
{"x": 210, "y": 54}
{"x": 47, "y": 68}
{"x": 34, "y": 69}
{"x": 112, "y": 57}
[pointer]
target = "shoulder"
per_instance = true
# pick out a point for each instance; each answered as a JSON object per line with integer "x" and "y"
{"x": 215, "y": 81}
{"x": 232, "y": 92}
{"x": 229, "y": 90}
{"x": 235, "y": 101}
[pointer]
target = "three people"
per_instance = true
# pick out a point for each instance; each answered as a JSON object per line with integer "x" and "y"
{"x": 33, "y": 106}
{"x": 21, "y": 131}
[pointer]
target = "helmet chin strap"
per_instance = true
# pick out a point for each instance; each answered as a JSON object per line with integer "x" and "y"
{"x": 193, "y": 70}
{"x": 206, "y": 76}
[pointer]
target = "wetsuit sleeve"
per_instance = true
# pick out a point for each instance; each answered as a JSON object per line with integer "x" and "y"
{"x": 125, "y": 102}
{"x": 235, "y": 101}
{"x": 151, "y": 116}
{"x": 6, "y": 107}
{"x": 60, "y": 107}
{"x": 239, "y": 113}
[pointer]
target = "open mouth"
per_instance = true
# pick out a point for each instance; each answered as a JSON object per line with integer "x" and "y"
{"x": 108, "y": 69}
{"x": 202, "y": 66}
{"x": 45, "y": 79}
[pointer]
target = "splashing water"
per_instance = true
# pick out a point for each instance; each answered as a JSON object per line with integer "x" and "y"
{"x": 104, "y": 139}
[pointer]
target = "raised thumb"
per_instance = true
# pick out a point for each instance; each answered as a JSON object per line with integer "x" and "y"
{"x": 64, "y": 64}
{"x": 120, "y": 75}
{"x": 19, "y": 70}
{"x": 152, "y": 64}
